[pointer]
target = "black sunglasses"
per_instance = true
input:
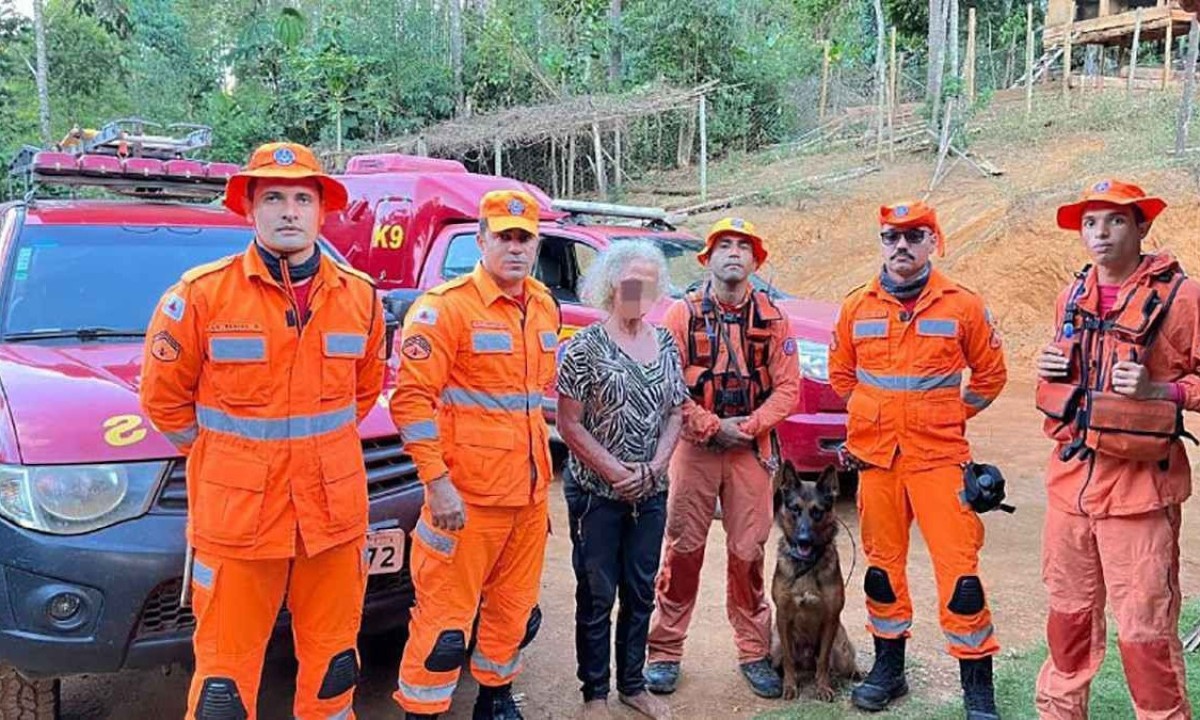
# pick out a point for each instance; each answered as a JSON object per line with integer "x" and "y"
{"x": 914, "y": 236}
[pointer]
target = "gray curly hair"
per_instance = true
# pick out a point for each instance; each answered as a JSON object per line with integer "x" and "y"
{"x": 600, "y": 281}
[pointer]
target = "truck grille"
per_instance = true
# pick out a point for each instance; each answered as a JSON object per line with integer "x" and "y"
{"x": 162, "y": 615}
{"x": 387, "y": 469}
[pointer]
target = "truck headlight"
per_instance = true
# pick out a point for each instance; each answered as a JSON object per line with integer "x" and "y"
{"x": 75, "y": 499}
{"x": 814, "y": 359}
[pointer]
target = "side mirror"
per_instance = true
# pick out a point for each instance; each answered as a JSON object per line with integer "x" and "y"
{"x": 396, "y": 305}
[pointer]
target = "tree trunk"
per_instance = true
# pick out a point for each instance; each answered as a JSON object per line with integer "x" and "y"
{"x": 43, "y": 82}
{"x": 952, "y": 41}
{"x": 614, "y": 57}
{"x": 937, "y": 53}
{"x": 1189, "y": 89}
{"x": 456, "y": 53}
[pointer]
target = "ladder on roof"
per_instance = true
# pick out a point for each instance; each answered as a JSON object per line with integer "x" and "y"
{"x": 129, "y": 137}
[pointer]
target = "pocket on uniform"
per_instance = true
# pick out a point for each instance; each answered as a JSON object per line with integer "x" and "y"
{"x": 942, "y": 422}
{"x": 229, "y": 497}
{"x": 344, "y": 478}
{"x": 240, "y": 371}
{"x": 340, "y": 352}
{"x": 484, "y": 449}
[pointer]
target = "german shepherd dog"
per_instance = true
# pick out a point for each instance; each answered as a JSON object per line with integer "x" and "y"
{"x": 808, "y": 587}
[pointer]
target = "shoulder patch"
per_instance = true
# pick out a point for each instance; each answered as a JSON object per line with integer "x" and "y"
{"x": 355, "y": 272}
{"x": 449, "y": 285}
{"x": 173, "y": 306}
{"x": 209, "y": 268}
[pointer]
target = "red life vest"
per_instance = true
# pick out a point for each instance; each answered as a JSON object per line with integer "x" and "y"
{"x": 745, "y": 383}
{"x": 1083, "y": 413}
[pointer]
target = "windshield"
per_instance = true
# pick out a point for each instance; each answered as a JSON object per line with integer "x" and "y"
{"x": 682, "y": 265}
{"x": 106, "y": 276}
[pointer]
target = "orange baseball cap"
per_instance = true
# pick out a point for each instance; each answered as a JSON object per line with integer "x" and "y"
{"x": 1114, "y": 192}
{"x": 913, "y": 214}
{"x": 508, "y": 209}
{"x": 283, "y": 161}
{"x": 734, "y": 226}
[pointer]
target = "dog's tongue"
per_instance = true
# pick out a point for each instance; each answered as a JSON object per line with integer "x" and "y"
{"x": 804, "y": 551}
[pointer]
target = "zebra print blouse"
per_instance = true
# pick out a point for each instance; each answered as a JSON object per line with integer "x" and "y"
{"x": 625, "y": 402}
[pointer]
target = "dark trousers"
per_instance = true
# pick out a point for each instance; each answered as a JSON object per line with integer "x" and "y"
{"x": 614, "y": 552}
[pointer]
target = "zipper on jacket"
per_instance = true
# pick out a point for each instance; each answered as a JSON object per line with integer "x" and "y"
{"x": 533, "y": 473}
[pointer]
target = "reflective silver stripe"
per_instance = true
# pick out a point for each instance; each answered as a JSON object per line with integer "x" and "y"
{"x": 434, "y": 539}
{"x": 976, "y": 401}
{"x": 288, "y": 428}
{"x": 505, "y": 671}
{"x": 890, "y": 627}
{"x": 238, "y": 349}
{"x": 973, "y": 640}
{"x": 185, "y": 436}
{"x": 549, "y": 405}
{"x": 341, "y": 714}
{"x": 427, "y": 693}
{"x": 909, "y": 382}
{"x": 870, "y": 328}
{"x": 490, "y": 401}
{"x": 421, "y": 430}
{"x": 937, "y": 328}
{"x": 549, "y": 340}
{"x": 202, "y": 574}
{"x": 483, "y": 342}
{"x": 345, "y": 344}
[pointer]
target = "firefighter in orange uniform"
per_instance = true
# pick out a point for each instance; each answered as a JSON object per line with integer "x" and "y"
{"x": 1123, "y": 366}
{"x": 259, "y": 367}
{"x": 900, "y": 347}
{"x": 743, "y": 377}
{"x": 477, "y": 353}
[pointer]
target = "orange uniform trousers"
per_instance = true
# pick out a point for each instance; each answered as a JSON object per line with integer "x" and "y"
{"x": 888, "y": 500}
{"x": 491, "y": 568}
{"x": 236, "y": 603}
{"x": 1134, "y": 559}
{"x": 697, "y": 478}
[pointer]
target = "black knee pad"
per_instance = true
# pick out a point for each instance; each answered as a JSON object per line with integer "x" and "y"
{"x": 220, "y": 700}
{"x": 968, "y": 596}
{"x": 448, "y": 652}
{"x": 877, "y": 586}
{"x": 340, "y": 676}
{"x": 532, "y": 626}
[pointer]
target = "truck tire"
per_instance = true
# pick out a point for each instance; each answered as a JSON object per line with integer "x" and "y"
{"x": 24, "y": 699}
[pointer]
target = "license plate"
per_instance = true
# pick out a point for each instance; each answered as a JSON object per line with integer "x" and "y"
{"x": 385, "y": 551}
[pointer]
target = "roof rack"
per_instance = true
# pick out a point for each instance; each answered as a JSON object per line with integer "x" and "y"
{"x": 653, "y": 216}
{"x": 122, "y": 156}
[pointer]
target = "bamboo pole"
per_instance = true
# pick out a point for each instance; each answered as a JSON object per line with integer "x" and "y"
{"x": 969, "y": 68}
{"x": 1028, "y": 59}
{"x": 1133, "y": 51}
{"x": 554, "y": 166}
{"x": 892, "y": 100}
{"x": 1168, "y": 52}
{"x": 617, "y": 158}
{"x": 498, "y": 151}
{"x": 571, "y": 167}
{"x": 1189, "y": 89}
{"x": 598, "y": 149}
{"x": 703, "y": 148}
{"x": 824, "y": 81}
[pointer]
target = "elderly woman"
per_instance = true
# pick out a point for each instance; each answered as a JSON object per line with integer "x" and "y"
{"x": 620, "y": 392}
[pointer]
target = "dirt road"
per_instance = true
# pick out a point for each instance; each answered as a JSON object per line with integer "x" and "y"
{"x": 711, "y": 687}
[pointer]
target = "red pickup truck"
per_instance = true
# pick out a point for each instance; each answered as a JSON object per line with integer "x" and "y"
{"x": 412, "y": 222}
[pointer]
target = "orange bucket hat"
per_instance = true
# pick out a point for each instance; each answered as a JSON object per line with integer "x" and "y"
{"x": 508, "y": 209}
{"x": 734, "y": 226}
{"x": 913, "y": 214}
{"x": 283, "y": 161}
{"x": 1114, "y": 192}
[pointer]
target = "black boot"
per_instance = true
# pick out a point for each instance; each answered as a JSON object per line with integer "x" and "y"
{"x": 979, "y": 696}
{"x": 496, "y": 703}
{"x": 886, "y": 680}
{"x": 420, "y": 716}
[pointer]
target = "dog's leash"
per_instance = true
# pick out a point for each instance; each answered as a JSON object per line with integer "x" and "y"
{"x": 853, "y": 544}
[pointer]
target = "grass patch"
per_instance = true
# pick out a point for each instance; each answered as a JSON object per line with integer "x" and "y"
{"x": 1015, "y": 678}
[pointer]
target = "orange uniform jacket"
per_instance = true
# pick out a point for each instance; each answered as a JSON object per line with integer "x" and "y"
{"x": 1107, "y": 485}
{"x": 468, "y": 400}
{"x": 267, "y": 413}
{"x": 903, "y": 377}
{"x": 700, "y": 423}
